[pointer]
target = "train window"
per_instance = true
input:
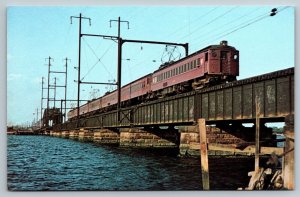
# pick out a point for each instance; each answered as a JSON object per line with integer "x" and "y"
{"x": 154, "y": 79}
{"x": 198, "y": 61}
{"x": 223, "y": 54}
{"x": 206, "y": 56}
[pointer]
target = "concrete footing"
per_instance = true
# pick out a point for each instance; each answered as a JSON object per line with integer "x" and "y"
{"x": 85, "y": 135}
{"x": 65, "y": 134}
{"x": 147, "y": 138}
{"x": 74, "y": 134}
{"x": 190, "y": 141}
{"x": 221, "y": 141}
{"x": 106, "y": 136}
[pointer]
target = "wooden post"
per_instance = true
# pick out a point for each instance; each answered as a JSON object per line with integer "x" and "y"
{"x": 257, "y": 135}
{"x": 288, "y": 164}
{"x": 203, "y": 153}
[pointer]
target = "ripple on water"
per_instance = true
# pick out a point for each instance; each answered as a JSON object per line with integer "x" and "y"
{"x": 47, "y": 163}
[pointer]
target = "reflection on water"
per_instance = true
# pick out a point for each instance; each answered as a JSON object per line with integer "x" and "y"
{"x": 47, "y": 163}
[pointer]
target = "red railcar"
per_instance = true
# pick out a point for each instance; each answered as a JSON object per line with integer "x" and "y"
{"x": 213, "y": 64}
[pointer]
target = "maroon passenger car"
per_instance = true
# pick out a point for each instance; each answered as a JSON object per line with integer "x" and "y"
{"x": 211, "y": 65}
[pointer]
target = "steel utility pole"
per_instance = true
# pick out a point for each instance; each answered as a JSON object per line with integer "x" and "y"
{"x": 49, "y": 64}
{"x": 54, "y": 91}
{"x": 119, "y": 62}
{"x": 79, "y": 55}
{"x": 42, "y": 98}
{"x": 66, "y": 82}
{"x": 66, "y": 76}
{"x": 37, "y": 115}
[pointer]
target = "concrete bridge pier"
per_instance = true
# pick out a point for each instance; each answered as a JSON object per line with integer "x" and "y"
{"x": 65, "y": 134}
{"x": 220, "y": 141}
{"x": 153, "y": 137}
{"x": 74, "y": 134}
{"x": 56, "y": 133}
{"x": 106, "y": 136}
{"x": 85, "y": 135}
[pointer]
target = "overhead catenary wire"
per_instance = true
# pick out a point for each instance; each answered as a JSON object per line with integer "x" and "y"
{"x": 208, "y": 23}
{"x": 98, "y": 59}
{"x": 205, "y": 34}
{"x": 178, "y": 30}
{"x": 244, "y": 25}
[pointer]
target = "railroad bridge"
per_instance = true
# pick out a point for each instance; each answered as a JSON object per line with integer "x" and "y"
{"x": 171, "y": 121}
{"x": 220, "y": 111}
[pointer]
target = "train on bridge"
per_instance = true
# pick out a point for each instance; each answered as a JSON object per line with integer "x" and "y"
{"x": 212, "y": 65}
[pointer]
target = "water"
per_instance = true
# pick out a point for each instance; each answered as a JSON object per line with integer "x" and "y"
{"x": 48, "y": 163}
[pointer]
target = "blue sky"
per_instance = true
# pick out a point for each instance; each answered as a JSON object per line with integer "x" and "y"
{"x": 35, "y": 33}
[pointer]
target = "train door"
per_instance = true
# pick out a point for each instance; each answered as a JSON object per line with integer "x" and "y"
{"x": 225, "y": 67}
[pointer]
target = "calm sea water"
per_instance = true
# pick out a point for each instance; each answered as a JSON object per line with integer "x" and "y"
{"x": 48, "y": 163}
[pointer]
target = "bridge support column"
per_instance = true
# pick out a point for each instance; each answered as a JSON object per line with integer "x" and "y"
{"x": 74, "y": 134}
{"x": 56, "y": 134}
{"x": 85, "y": 135}
{"x": 106, "y": 136}
{"x": 220, "y": 142}
{"x": 149, "y": 138}
{"x": 65, "y": 134}
{"x": 189, "y": 141}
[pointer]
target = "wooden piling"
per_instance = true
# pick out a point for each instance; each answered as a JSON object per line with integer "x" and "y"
{"x": 288, "y": 164}
{"x": 257, "y": 135}
{"x": 203, "y": 153}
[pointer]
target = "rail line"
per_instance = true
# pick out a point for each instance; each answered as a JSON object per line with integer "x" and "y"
{"x": 274, "y": 92}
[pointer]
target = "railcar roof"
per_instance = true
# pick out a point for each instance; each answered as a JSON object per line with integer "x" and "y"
{"x": 182, "y": 59}
{"x": 195, "y": 53}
